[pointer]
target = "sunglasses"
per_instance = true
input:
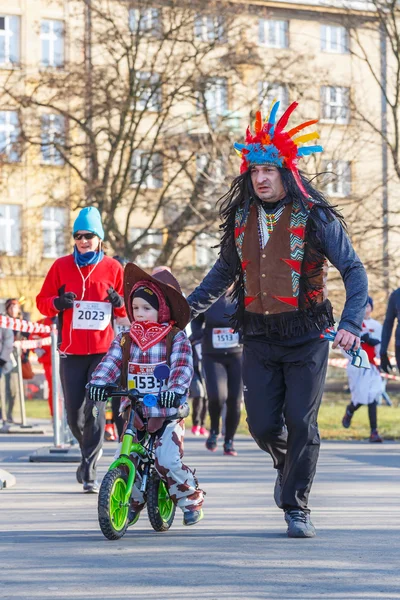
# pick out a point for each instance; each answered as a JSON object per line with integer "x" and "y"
{"x": 84, "y": 236}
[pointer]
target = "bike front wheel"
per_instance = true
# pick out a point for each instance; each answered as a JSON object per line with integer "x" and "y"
{"x": 160, "y": 508}
{"x": 112, "y": 509}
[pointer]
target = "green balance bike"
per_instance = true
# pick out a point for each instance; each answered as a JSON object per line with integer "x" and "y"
{"x": 136, "y": 458}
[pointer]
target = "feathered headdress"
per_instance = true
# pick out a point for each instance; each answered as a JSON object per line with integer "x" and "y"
{"x": 270, "y": 144}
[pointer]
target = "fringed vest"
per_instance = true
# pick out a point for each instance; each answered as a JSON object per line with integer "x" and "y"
{"x": 284, "y": 291}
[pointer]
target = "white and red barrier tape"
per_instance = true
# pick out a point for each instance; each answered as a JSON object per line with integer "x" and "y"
{"x": 24, "y": 326}
{"x": 341, "y": 363}
{"x": 32, "y": 344}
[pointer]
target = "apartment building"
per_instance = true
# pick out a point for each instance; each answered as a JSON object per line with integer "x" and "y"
{"x": 290, "y": 50}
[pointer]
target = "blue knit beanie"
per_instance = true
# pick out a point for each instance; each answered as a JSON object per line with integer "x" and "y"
{"x": 89, "y": 219}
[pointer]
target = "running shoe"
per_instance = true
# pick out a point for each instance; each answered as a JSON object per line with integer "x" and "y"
{"x": 375, "y": 438}
{"x": 299, "y": 524}
{"x": 346, "y": 421}
{"x": 211, "y": 442}
{"x": 196, "y": 430}
{"x": 229, "y": 450}
{"x": 203, "y": 431}
{"x": 91, "y": 487}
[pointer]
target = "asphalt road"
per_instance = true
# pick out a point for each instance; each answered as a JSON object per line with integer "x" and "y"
{"x": 51, "y": 546}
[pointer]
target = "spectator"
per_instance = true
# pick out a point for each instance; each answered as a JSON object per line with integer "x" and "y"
{"x": 6, "y": 348}
{"x": 13, "y": 310}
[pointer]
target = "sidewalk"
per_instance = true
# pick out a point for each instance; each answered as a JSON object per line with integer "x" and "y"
{"x": 51, "y": 545}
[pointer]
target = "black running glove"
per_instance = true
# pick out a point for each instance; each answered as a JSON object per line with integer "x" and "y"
{"x": 114, "y": 298}
{"x": 170, "y": 400}
{"x": 64, "y": 301}
{"x": 97, "y": 393}
{"x": 385, "y": 363}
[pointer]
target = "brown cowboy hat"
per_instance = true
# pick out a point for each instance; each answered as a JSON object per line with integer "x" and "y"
{"x": 180, "y": 309}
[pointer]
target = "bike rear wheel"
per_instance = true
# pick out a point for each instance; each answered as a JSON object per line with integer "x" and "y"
{"x": 112, "y": 510}
{"x": 160, "y": 508}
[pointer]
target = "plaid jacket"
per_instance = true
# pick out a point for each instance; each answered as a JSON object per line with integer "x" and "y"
{"x": 181, "y": 364}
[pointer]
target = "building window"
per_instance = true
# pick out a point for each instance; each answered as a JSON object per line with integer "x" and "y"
{"x": 209, "y": 28}
{"x": 273, "y": 34}
{"x": 215, "y": 99}
{"x": 10, "y": 229}
{"x": 335, "y": 104}
{"x": 148, "y": 91}
{"x": 145, "y": 20}
{"x": 338, "y": 178}
{"x": 10, "y": 130}
{"x": 149, "y": 246}
{"x": 206, "y": 254}
{"x": 9, "y": 40}
{"x": 334, "y": 39}
{"x": 268, "y": 92}
{"x": 147, "y": 170}
{"x": 52, "y": 135}
{"x": 54, "y": 225}
{"x": 209, "y": 168}
{"x": 52, "y": 38}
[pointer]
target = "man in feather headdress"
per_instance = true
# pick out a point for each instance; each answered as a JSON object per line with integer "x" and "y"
{"x": 278, "y": 234}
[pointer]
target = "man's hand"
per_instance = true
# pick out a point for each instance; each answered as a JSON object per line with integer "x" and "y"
{"x": 385, "y": 363}
{"x": 346, "y": 340}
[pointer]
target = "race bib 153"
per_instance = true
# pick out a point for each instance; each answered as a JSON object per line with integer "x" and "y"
{"x": 141, "y": 378}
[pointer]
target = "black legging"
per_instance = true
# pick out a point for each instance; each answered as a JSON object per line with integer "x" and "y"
{"x": 223, "y": 375}
{"x": 372, "y": 413}
{"x": 75, "y": 373}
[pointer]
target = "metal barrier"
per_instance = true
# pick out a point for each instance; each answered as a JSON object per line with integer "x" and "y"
{"x": 65, "y": 448}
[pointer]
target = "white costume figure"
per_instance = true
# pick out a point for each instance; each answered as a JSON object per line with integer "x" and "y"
{"x": 366, "y": 384}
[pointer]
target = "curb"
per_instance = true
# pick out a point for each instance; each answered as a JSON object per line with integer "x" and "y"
{"x": 6, "y": 480}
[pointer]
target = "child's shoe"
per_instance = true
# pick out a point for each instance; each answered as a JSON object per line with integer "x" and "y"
{"x": 375, "y": 438}
{"x": 211, "y": 443}
{"x": 196, "y": 430}
{"x": 203, "y": 431}
{"x": 229, "y": 450}
{"x": 192, "y": 517}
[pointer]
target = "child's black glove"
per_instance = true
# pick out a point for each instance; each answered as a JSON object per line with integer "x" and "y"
{"x": 97, "y": 393}
{"x": 114, "y": 298}
{"x": 170, "y": 399}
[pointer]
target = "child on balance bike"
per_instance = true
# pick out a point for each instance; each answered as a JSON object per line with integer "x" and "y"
{"x": 158, "y": 313}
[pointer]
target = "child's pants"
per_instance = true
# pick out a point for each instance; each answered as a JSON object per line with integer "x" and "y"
{"x": 181, "y": 481}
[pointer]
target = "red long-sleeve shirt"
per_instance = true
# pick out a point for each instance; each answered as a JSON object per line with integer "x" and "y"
{"x": 64, "y": 276}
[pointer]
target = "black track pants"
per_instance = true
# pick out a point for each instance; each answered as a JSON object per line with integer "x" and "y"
{"x": 75, "y": 373}
{"x": 284, "y": 385}
{"x": 223, "y": 375}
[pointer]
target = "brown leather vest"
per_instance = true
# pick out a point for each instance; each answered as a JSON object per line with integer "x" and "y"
{"x": 268, "y": 287}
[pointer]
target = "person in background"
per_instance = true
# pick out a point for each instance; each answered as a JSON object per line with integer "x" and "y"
{"x": 14, "y": 310}
{"x": 197, "y": 393}
{"x": 392, "y": 313}
{"x": 6, "y": 348}
{"x": 84, "y": 290}
{"x": 222, "y": 367}
{"x": 366, "y": 384}
{"x": 44, "y": 357}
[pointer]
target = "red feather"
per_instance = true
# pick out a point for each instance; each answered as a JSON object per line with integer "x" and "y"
{"x": 285, "y": 117}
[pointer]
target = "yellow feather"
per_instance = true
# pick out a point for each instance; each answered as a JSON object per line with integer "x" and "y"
{"x": 270, "y": 109}
{"x": 238, "y": 152}
{"x": 306, "y": 138}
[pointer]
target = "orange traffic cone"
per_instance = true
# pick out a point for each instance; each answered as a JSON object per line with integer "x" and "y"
{"x": 109, "y": 431}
